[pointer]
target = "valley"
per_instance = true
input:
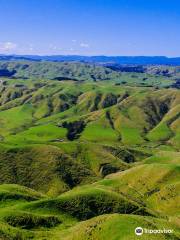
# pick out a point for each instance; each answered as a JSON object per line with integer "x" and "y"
{"x": 88, "y": 151}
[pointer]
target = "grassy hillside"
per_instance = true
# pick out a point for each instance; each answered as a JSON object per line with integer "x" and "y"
{"x": 135, "y": 75}
{"x": 59, "y": 71}
{"x": 90, "y": 159}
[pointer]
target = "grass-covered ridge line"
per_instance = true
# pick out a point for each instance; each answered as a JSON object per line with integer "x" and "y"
{"x": 77, "y": 71}
{"x": 89, "y": 155}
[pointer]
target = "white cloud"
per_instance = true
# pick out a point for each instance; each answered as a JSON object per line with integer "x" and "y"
{"x": 74, "y": 40}
{"x": 7, "y": 46}
{"x": 84, "y": 45}
{"x": 54, "y": 47}
{"x": 30, "y": 47}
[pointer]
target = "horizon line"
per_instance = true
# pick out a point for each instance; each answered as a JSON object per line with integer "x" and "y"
{"x": 79, "y": 55}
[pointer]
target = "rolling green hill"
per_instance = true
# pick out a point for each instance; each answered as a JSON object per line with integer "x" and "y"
{"x": 84, "y": 155}
{"x": 135, "y": 75}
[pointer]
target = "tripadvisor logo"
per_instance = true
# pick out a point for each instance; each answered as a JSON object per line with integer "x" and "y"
{"x": 139, "y": 231}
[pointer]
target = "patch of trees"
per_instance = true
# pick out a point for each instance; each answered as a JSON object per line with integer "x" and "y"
{"x": 7, "y": 73}
{"x": 122, "y": 68}
{"x": 109, "y": 100}
{"x": 74, "y": 129}
{"x": 176, "y": 84}
{"x": 107, "y": 168}
{"x": 65, "y": 78}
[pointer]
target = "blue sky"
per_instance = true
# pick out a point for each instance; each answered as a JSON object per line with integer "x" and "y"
{"x": 90, "y": 27}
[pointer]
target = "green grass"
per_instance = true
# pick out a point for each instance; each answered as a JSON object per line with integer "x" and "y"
{"x": 122, "y": 169}
{"x": 147, "y": 184}
{"x": 116, "y": 226}
{"x": 98, "y": 133}
{"x": 39, "y": 134}
{"x": 15, "y": 119}
{"x": 86, "y": 202}
{"x": 166, "y": 157}
{"x": 160, "y": 133}
{"x": 131, "y": 136}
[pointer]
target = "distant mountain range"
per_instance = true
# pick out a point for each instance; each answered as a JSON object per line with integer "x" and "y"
{"x": 143, "y": 60}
